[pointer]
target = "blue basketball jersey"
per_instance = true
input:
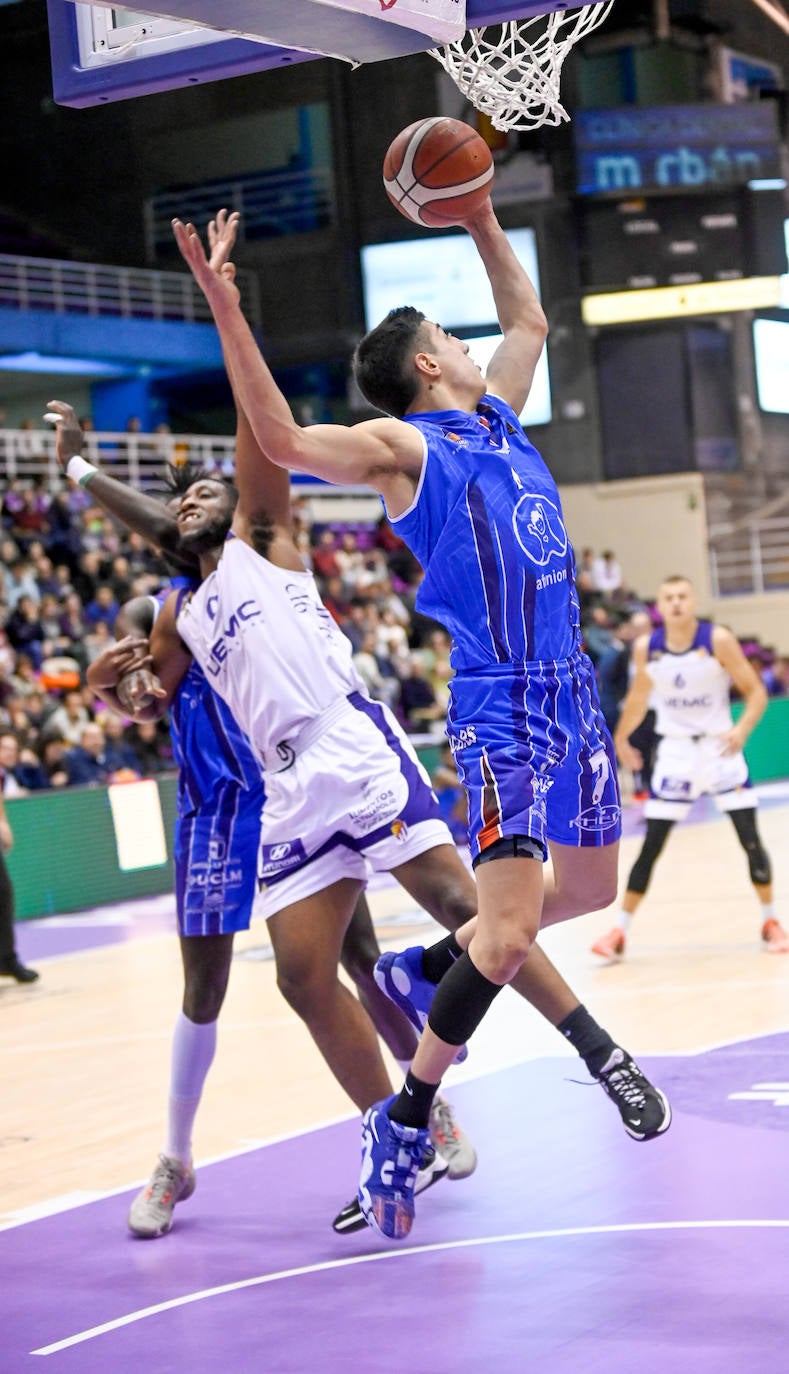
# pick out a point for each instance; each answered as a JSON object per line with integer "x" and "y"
{"x": 486, "y": 525}
{"x": 212, "y": 754}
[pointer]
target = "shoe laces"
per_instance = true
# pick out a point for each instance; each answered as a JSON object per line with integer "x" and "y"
{"x": 442, "y": 1121}
{"x": 625, "y": 1082}
{"x": 165, "y": 1179}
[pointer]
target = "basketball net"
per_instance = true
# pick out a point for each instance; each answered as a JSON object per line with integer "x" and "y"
{"x": 511, "y": 72}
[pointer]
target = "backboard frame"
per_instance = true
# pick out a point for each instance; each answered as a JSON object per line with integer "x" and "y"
{"x": 81, "y": 84}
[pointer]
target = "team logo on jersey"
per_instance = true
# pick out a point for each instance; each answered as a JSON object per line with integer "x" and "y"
{"x": 598, "y": 818}
{"x": 679, "y": 680}
{"x": 539, "y": 529}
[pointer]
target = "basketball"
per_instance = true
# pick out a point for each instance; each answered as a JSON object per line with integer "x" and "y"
{"x": 438, "y": 172}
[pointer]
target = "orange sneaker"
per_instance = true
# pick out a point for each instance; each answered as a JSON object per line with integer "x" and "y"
{"x": 611, "y": 947}
{"x": 775, "y": 938}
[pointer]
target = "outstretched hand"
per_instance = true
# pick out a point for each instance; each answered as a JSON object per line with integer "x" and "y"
{"x": 215, "y": 275}
{"x": 70, "y": 438}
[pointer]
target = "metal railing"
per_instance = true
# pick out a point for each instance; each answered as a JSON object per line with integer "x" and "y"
{"x": 95, "y": 289}
{"x": 271, "y": 204}
{"x": 27, "y": 455}
{"x": 752, "y": 560}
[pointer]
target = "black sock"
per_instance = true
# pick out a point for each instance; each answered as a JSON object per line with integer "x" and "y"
{"x": 440, "y": 957}
{"x": 590, "y": 1040}
{"x": 412, "y": 1106}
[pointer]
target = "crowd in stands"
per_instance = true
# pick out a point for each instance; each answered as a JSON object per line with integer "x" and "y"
{"x": 66, "y": 568}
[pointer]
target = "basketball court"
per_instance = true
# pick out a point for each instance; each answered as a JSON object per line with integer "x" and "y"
{"x": 571, "y": 1246}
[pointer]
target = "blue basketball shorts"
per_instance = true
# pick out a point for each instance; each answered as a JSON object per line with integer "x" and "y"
{"x": 216, "y": 853}
{"x": 535, "y": 755}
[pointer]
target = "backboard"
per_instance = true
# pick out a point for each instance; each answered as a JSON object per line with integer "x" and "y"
{"x": 102, "y": 53}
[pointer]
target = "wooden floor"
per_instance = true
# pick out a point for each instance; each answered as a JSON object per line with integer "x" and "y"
{"x": 84, "y": 1054}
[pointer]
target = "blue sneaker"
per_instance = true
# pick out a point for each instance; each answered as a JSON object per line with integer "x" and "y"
{"x": 391, "y": 1158}
{"x": 400, "y": 977}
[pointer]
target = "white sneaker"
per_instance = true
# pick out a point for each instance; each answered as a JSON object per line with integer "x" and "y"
{"x": 151, "y": 1213}
{"x": 451, "y": 1142}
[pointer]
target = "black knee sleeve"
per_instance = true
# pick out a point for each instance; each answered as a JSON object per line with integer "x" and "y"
{"x": 759, "y": 865}
{"x": 463, "y": 996}
{"x": 641, "y": 872}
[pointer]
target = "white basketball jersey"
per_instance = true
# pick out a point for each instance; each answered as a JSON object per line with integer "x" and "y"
{"x": 268, "y": 646}
{"x": 691, "y": 690}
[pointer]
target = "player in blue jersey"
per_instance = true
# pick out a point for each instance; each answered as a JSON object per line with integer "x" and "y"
{"x": 473, "y": 499}
{"x": 219, "y": 802}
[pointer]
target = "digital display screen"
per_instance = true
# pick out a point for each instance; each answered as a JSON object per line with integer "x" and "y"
{"x": 443, "y": 277}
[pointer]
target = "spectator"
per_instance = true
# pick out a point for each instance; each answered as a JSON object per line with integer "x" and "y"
{"x": 378, "y": 684}
{"x": 451, "y": 796}
{"x": 121, "y": 754}
{"x": 25, "y": 631}
{"x": 418, "y": 707}
{"x": 88, "y": 763}
{"x": 69, "y": 719}
{"x": 10, "y": 783}
{"x": 324, "y": 556}
{"x": 607, "y": 574}
{"x": 597, "y": 631}
{"x": 97, "y": 640}
{"x": 103, "y": 606}
{"x": 21, "y": 582}
{"x": 151, "y": 748}
{"x": 52, "y": 752}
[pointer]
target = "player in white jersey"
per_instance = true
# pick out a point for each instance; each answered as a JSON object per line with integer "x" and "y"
{"x": 529, "y": 736}
{"x": 686, "y": 668}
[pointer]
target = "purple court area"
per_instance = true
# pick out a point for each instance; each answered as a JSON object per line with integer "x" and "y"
{"x": 572, "y": 1248}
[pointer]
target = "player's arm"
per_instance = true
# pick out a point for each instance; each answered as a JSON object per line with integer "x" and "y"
{"x": 377, "y": 453}
{"x": 131, "y": 652}
{"x": 143, "y": 514}
{"x": 634, "y": 707}
{"x": 524, "y": 326}
{"x": 145, "y": 692}
{"x": 729, "y": 654}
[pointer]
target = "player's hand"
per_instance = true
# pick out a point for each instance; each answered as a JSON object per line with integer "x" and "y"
{"x": 628, "y": 756}
{"x": 6, "y": 836}
{"x": 70, "y": 438}
{"x": 732, "y": 742}
{"x": 218, "y": 284}
{"x": 222, "y": 234}
{"x": 128, "y": 654}
{"x": 138, "y": 690}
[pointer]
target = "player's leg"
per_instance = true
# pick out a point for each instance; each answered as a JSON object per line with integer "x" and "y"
{"x": 307, "y": 938}
{"x": 214, "y": 888}
{"x": 10, "y": 964}
{"x": 775, "y": 939}
{"x": 358, "y": 956}
{"x": 611, "y": 946}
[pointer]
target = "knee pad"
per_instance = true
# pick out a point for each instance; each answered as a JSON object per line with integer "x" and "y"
{"x": 759, "y": 865}
{"x": 641, "y": 872}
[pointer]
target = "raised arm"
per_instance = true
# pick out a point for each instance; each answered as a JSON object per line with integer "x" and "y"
{"x": 373, "y": 453}
{"x": 143, "y": 514}
{"x": 511, "y": 369}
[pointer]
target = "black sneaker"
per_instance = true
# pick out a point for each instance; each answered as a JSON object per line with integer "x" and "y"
{"x": 644, "y": 1110}
{"x": 13, "y": 968}
{"x": 351, "y": 1218}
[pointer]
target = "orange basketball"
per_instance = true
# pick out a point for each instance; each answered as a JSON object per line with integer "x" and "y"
{"x": 438, "y": 172}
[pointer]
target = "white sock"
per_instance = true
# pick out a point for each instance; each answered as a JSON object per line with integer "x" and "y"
{"x": 623, "y": 919}
{"x": 193, "y": 1051}
{"x": 768, "y": 911}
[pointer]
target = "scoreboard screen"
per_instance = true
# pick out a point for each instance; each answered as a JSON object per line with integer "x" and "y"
{"x": 643, "y": 241}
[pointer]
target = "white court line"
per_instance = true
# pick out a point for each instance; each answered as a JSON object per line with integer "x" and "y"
{"x": 68, "y": 1201}
{"x": 436, "y": 1248}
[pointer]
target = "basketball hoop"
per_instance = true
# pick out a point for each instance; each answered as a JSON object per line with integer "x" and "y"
{"x": 511, "y": 73}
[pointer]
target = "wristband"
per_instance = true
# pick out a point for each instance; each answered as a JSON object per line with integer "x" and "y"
{"x": 79, "y": 470}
